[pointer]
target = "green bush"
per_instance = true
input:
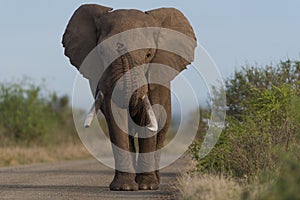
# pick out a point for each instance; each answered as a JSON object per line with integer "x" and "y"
{"x": 262, "y": 121}
{"x": 283, "y": 182}
{"x": 287, "y": 182}
{"x": 29, "y": 115}
{"x": 238, "y": 87}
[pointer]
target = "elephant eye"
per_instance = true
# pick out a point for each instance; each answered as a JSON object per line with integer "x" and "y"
{"x": 148, "y": 55}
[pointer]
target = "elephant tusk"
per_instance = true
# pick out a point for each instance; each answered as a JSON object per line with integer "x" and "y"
{"x": 94, "y": 109}
{"x": 153, "y": 126}
{"x": 90, "y": 116}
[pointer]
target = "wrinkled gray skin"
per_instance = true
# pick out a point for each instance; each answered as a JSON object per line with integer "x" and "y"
{"x": 90, "y": 25}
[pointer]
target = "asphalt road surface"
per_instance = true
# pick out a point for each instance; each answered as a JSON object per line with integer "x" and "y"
{"x": 84, "y": 179}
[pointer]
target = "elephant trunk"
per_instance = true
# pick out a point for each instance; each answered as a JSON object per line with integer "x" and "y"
{"x": 140, "y": 108}
{"x": 128, "y": 84}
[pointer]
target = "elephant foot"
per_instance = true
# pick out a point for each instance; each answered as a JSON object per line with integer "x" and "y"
{"x": 147, "y": 181}
{"x": 124, "y": 181}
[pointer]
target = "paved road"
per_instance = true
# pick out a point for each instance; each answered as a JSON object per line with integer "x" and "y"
{"x": 84, "y": 179}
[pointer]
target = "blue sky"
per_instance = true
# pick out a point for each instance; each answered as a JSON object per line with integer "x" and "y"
{"x": 233, "y": 32}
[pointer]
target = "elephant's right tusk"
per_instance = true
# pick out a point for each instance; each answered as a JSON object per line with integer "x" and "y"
{"x": 94, "y": 109}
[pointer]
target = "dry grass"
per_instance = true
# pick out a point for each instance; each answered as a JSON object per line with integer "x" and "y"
{"x": 208, "y": 187}
{"x": 197, "y": 186}
{"x": 12, "y": 156}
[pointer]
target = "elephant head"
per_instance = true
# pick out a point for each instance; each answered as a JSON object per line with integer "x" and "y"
{"x": 130, "y": 71}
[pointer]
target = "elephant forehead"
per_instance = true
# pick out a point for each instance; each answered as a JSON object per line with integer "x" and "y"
{"x": 111, "y": 47}
{"x": 122, "y": 20}
{"x": 118, "y": 21}
{"x": 131, "y": 39}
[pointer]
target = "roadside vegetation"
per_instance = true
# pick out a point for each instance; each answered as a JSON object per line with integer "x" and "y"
{"x": 36, "y": 125}
{"x": 257, "y": 155}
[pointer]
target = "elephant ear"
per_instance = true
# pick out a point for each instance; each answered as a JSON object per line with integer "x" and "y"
{"x": 81, "y": 34}
{"x": 173, "y": 50}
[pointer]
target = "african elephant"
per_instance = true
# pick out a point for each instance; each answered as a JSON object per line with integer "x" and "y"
{"x": 89, "y": 27}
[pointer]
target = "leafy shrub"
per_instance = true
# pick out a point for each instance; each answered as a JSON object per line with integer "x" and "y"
{"x": 261, "y": 121}
{"x": 29, "y": 115}
{"x": 238, "y": 87}
{"x": 287, "y": 182}
{"x": 283, "y": 182}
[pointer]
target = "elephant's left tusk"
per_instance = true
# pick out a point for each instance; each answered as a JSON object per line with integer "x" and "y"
{"x": 153, "y": 126}
{"x": 94, "y": 109}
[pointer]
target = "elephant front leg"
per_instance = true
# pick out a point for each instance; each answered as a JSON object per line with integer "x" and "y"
{"x": 149, "y": 159}
{"x": 146, "y": 176}
{"x": 121, "y": 142}
{"x": 161, "y": 136}
{"x": 124, "y": 178}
